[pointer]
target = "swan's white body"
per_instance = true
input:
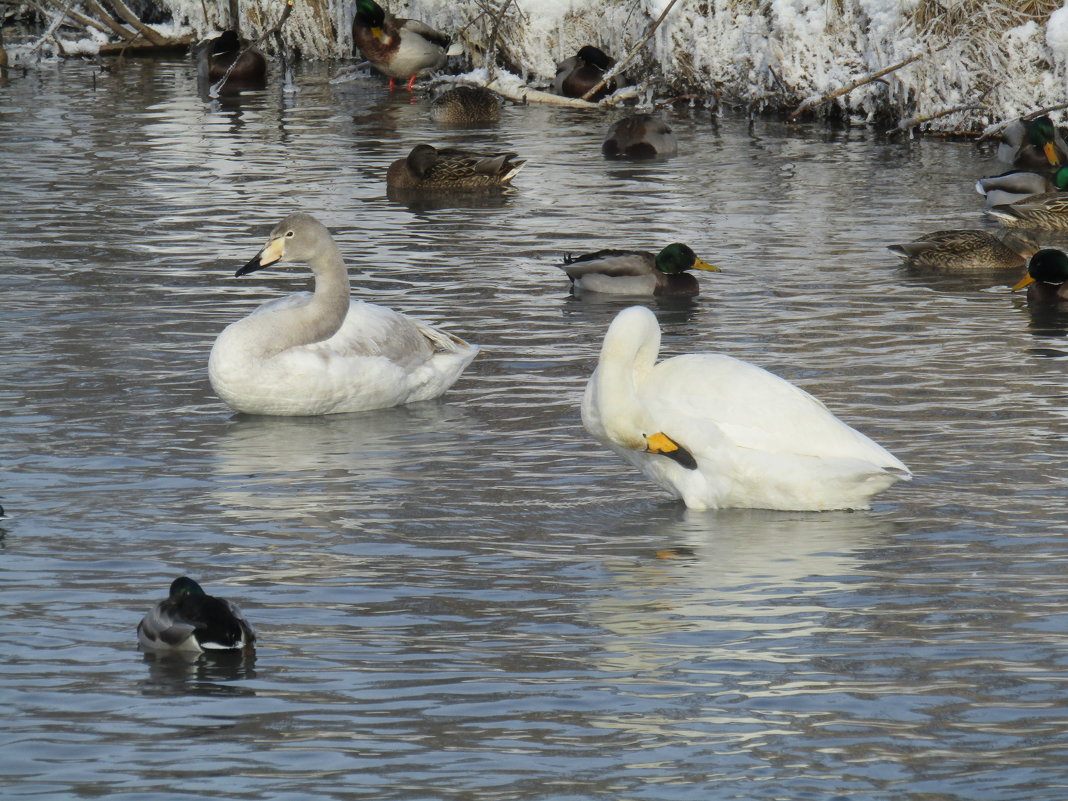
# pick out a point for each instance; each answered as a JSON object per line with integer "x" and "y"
{"x": 322, "y": 353}
{"x": 757, "y": 440}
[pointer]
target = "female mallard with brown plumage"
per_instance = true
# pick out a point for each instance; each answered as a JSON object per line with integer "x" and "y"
{"x": 1047, "y": 277}
{"x": 577, "y": 75}
{"x": 398, "y": 47}
{"x": 1048, "y": 211}
{"x": 959, "y": 250}
{"x": 428, "y": 169}
{"x": 466, "y": 105}
{"x": 639, "y": 136}
{"x": 189, "y": 619}
{"x": 637, "y": 272}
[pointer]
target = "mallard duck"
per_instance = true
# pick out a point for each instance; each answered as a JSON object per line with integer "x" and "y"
{"x": 428, "y": 169}
{"x": 1047, "y": 277}
{"x": 216, "y": 55}
{"x": 322, "y": 352}
{"x": 191, "y": 620}
{"x": 1047, "y": 211}
{"x": 1017, "y": 185}
{"x": 639, "y": 136}
{"x": 1032, "y": 144}
{"x": 398, "y": 47}
{"x": 577, "y": 75}
{"x": 719, "y": 432}
{"x": 465, "y": 105}
{"x": 637, "y": 272}
{"x": 959, "y": 250}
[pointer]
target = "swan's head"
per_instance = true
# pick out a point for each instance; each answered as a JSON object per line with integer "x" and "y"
{"x": 678, "y": 258}
{"x": 299, "y": 237}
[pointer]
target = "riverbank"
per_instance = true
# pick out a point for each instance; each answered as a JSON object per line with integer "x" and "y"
{"x": 915, "y": 64}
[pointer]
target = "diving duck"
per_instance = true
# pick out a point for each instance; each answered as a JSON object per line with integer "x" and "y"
{"x": 577, "y": 75}
{"x": 959, "y": 250}
{"x": 1032, "y": 145}
{"x": 1047, "y": 277}
{"x": 718, "y": 432}
{"x": 398, "y": 47}
{"x": 1016, "y": 185}
{"x": 639, "y": 136}
{"x": 465, "y": 105}
{"x": 426, "y": 168}
{"x": 191, "y": 620}
{"x": 637, "y": 272}
{"x": 216, "y": 55}
{"x": 1047, "y": 211}
{"x": 323, "y": 352}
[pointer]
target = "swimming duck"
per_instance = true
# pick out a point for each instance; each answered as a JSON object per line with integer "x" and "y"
{"x": 577, "y": 75}
{"x": 1047, "y": 277}
{"x": 191, "y": 620}
{"x": 398, "y": 47}
{"x": 1016, "y": 185}
{"x": 719, "y": 432}
{"x": 637, "y": 272}
{"x": 216, "y": 55}
{"x": 426, "y": 168}
{"x": 1032, "y": 144}
{"x": 639, "y": 136}
{"x": 959, "y": 250}
{"x": 1047, "y": 211}
{"x": 322, "y": 352}
{"x": 465, "y": 105}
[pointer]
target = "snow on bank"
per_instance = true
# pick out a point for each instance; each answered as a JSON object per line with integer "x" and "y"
{"x": 761, "y": 54}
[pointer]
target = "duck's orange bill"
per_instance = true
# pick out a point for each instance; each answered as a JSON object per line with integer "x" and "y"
{"x": 1025, "y": 281}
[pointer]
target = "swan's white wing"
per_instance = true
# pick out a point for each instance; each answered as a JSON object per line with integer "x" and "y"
{"x": 370, "y": 330}
{"x": 708, "y": 399}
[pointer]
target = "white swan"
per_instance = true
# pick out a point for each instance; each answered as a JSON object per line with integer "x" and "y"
{"x": 322, "y": 353}
{"x": 719, "y": 432}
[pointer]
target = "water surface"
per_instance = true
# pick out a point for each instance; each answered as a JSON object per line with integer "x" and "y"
{"x": 469, "y": 598}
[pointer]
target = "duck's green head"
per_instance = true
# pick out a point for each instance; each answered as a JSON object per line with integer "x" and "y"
{"x": 370, "y": 13}
{"x": 678, "y": 258}
{"x": 1060, "y": 178}
{"x": 181, "y": 587}
{"x": 596, "y": 56}
{"x": 1049, "y": 265}
{"x": 1041, "y": 133}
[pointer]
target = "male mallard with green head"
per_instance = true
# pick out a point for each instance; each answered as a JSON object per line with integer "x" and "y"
{"x": 216, "y": 56}
{"x": 1016, "y": 185}
{"x": 1047, "y": 277}
{"x": 637, "y": 272}
{"x": 397, "y": 47}
{"x": 577, "y": 75}
{"x": 191, "y": 620}
{"x": 1033, "y": 144}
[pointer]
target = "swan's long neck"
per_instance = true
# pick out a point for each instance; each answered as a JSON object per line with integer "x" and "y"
{"x": 318, "y": 320}
{"x": 628, "y": 355}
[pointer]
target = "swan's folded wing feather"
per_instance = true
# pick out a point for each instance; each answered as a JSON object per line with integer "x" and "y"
{"x": 750, "y": 408}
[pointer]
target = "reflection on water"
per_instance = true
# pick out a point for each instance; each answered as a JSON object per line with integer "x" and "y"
{"x": 470, "y": 598}
{"x": 208, "y": 673}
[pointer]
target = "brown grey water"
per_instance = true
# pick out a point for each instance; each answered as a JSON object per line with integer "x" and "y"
{"x": 462, "y": 599}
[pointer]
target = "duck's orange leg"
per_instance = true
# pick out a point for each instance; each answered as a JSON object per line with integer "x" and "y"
{"x": 411, "y": 83}
{"x": 391, "y": 84}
